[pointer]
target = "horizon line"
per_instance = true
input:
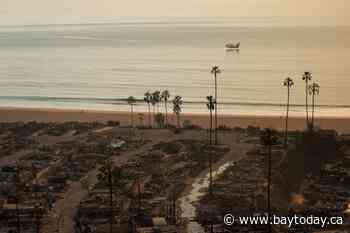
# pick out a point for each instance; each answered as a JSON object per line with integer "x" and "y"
{"x": 194, "y": 19}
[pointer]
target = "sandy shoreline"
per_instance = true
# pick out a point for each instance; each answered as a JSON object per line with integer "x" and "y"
{"x": 13, "y": 114}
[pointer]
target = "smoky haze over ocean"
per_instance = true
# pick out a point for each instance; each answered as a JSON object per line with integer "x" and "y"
{"x": 96, "y": 66}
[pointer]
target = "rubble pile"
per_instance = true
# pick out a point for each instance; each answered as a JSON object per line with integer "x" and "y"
{"x": 158, "y": 177}
{"x": 39, "y": 161}
{"x": 329, "y": 193}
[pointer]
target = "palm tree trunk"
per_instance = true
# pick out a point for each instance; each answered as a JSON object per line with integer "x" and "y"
{"x": 178, "y": 120}
{"x": 216, "y": 110}
{"x": 313, "y": 109}
{"x": 210, "y": 172}
{"x": 306, "y": 104}
{"x": 210, "y": 155}
{"x": 154, "y": 114}
{"x": 211, "y": 128}
{"x": 166, "y": 114}
{"x": 287, "y": 115}
{"x": 149, "y": 115}
{"x": 132, "y": 115}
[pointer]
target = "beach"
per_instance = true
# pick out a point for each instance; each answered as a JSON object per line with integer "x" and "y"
{"x": 10, "y": 114}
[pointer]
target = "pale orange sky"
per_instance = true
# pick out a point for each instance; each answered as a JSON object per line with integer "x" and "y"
{"x": 22, "y": 11}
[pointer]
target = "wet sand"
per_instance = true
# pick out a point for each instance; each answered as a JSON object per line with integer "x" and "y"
{"x": 9, "y": 114}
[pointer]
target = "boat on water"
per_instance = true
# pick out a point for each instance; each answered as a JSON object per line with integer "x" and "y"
{"x": 233, "y": 46}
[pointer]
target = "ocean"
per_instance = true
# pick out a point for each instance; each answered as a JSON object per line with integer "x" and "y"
{"x": 97, "y": 66}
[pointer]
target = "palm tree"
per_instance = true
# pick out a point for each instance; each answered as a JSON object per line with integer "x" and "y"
{"x": 215, "y": 70}
{"x": 314, "y": 89}
{"x": 165, "y": 96}
{"x": 131, "y": 101}
{"x": 153, "y": 102}
{"x": 177, "y": 102}
{"x": 288, "y": 82}
{"x": 210, "y": 106}
{"x": 307, "y": 77}
{"x": 157, "y": 98}
{"x": 148, "y": 99}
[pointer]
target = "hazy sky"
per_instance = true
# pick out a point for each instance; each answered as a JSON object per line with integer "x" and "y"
{"x": 55, "y": 11}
